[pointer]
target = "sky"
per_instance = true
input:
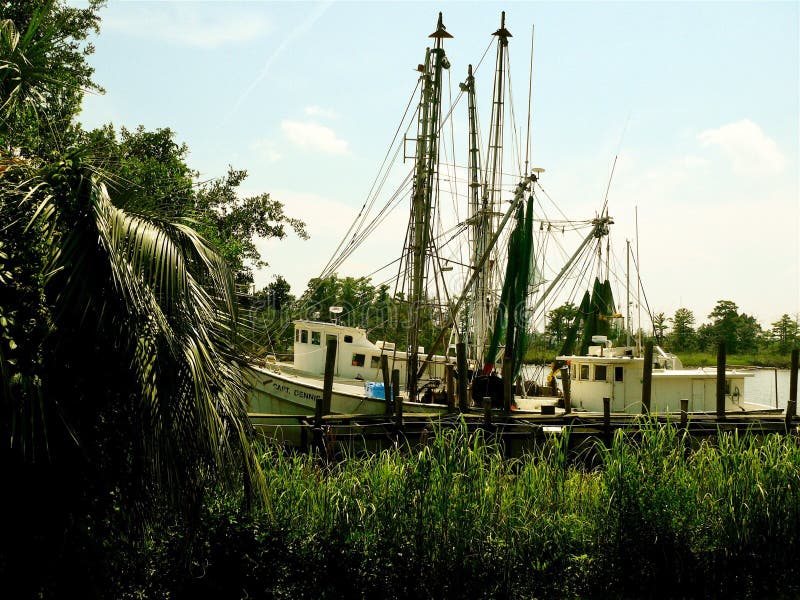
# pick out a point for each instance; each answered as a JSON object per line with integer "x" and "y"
{"x": 698, "y": 101}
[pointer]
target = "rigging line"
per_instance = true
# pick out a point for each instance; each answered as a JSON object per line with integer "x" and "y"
{"x": 516, "y": 142}
{"x": 641, "y": 287}
{"x": 604, "y": 212}
{"x": 553, "y": 202}
{"x": 359, "y": 225}
{"x": 364, "y": 232}
{"x": 383, "y": 164}
{"x": 530, "y": 95}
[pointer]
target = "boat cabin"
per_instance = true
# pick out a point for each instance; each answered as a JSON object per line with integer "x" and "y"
{"x": 615, "y": 373}
{"x": 356, "y": 356}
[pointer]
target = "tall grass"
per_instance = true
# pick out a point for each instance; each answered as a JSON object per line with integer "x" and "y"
{"x": 657, "y": 514}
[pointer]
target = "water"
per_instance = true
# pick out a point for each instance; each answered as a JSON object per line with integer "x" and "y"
{"x": 761, "y": 387}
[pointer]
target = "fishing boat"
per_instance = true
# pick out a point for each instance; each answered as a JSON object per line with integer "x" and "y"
{"x": 485, "y": 300}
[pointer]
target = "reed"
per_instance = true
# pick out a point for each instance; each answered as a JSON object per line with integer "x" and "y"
{"x": 655, "y": 514}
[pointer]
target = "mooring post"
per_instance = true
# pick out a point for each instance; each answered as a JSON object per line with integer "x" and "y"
{"x": 684, "y": 412}
{"x": 323, "y": 403}
{"x": 791, "y": 405}
{"x": 607, "y": 420}
{"x": 567, "y": 394}
{"x": 450, "y": 375}
{"x": 387, "y": 385}
{"x": 398, "y": 399}
{"x": 793, "y": 377}
{"x": 647, "y": 377}
{"x": 487, "y": 411}
{"x": 461, "y": 367}
{"x": 508, "y": 384}
{"x": 327, "y": 384}
{"x": 721, "y": 358}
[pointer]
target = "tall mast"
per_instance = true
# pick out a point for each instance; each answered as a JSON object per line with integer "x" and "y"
{"x": 491, "y": 201}
{"x": 423, "y": 195}
{"x": 479, "y": 216}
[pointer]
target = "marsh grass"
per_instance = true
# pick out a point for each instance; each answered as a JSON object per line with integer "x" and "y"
{"x": 658, "y": 515}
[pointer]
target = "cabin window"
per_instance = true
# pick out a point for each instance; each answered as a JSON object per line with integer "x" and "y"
{"x": 348, "y": 339}
{"x": 296, "y": 335}
{"x": 573, "y": 372}
{"x": 375, "y": 362}
{"x": 600, "y": 372}
{"x": 304, "y": 336}
{"x": 316, "y": 338}
{"x": 584, "y": 371}
{"x": 358, "y": 360}
{"x": 618, "y": 371}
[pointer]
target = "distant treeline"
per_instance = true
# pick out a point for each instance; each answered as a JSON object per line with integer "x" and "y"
{"x": 383, "y": 314}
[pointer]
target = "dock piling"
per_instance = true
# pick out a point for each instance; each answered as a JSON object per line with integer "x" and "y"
{"x": 684, "y": 413}
{"x": 487, "y": 411}
{"x": 565, "y": 382}
{"x": 451, "y": 388}
{"x": 647, "y": 377}
{"x": 387, "y": 389}
{"x": 461, "y": 367}
{"x": 398, "y": 399}
{"x": 721, "y": 359}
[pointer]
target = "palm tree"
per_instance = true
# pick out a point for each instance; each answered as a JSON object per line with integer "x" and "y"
{"x": 121, "y": 390}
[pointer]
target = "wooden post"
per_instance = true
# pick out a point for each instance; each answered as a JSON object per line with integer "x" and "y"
{"x": 791, "y": 405}
{"x": 398, "y": 399}
{"x": 387, "y": 385}
{"x": 565, "y": 383}
{"x": 607, "y": 420}
{"x": 327, "y": 384}
{"x": 684, "y": 412}
{"x": 451, "y": 387}
{"x": 487, "y": 411}
{"x": 791, "y": 409}
{"x": 323, "y": 403}
{"x": 461, "y": 367}
{"x": 508, "y": 384}
{"x": 721, "y": 359}
{"x": 793, "y": 377}
{"x": 647, "y": 377}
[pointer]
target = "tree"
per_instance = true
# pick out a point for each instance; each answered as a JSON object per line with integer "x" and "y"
{"x": 559, "y": 320}
{"x": 138, "y": 393}
{"x": 785, "y": 333}
{"x": 682, "y": 336}
{"x": 43, "y": 54}
{"x": 724, "y": 325}
{"x": 148, "y": 172}
{"x": 659, "y": 327}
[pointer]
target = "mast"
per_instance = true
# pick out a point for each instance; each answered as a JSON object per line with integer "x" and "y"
{"x": 423, "y": 195}
{"x": 479, "y": 216}
{"x": 490, "y": 200}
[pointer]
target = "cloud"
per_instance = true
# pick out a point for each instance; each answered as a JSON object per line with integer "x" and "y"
{"x": 184, "y": 27}
{"x": 318, "y": 111}
{"x": 313, "y": 136}
{"x": 267, "y": 150}
{"x": 750, "y": 151}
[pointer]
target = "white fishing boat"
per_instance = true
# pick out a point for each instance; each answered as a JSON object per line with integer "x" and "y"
{"x": 503, "y": 287}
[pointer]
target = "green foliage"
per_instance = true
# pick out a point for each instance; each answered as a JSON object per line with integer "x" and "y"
{"x": 559, "y": 321}
{"x": 658, "y": 514}
{"x": 682, "y": 337}
{"x": 43, "y": 72}
{"x": 148, "y": 173}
